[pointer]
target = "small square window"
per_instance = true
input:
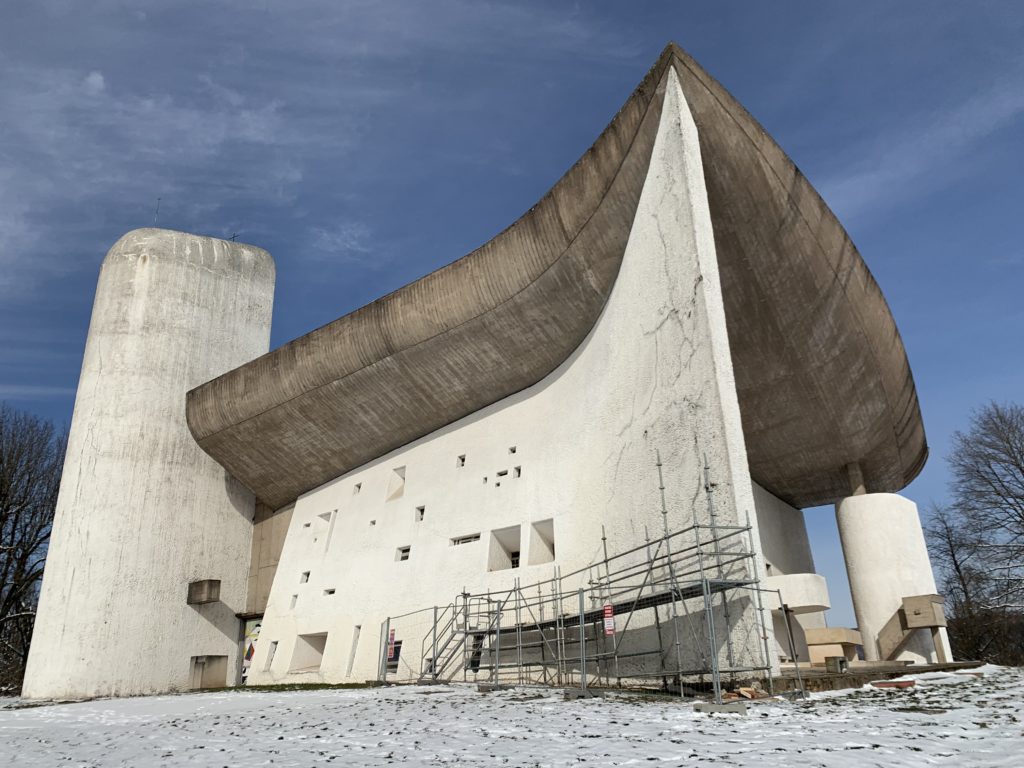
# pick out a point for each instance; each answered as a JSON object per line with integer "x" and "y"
{"x": 306, "y": 525}
{"x": 403, "y": 554}
{"x": 304, "y": 577}
{"x": 373, "y": 523}
{"x": 512, "y": 449}
{"x": 421, "y": 512}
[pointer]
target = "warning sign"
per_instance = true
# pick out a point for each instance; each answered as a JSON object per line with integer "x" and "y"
{"x": 609, "y": 619}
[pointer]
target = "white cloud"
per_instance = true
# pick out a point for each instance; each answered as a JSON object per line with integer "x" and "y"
{"x": 347, "y": 241}
{"x": 94, "y": 83}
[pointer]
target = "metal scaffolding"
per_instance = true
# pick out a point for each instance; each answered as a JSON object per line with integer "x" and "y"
{"x": 684, "y": 608}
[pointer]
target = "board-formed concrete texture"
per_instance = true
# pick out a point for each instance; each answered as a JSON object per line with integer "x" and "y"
{"x": 143, "y": 512}
{"x": 821, "y": 373}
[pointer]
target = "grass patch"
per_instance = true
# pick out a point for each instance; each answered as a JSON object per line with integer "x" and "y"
{"x": 289, "y": 687}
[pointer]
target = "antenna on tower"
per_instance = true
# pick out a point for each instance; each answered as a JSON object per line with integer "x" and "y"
{"x": 156, "y": 213}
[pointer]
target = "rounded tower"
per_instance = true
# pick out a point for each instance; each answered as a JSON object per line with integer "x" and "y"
{"x": 143, "y": 512}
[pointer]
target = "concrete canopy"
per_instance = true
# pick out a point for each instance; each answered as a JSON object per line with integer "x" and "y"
{"x": 821, "y": 373}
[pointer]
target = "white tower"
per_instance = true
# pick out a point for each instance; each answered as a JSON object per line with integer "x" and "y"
{"x": 143, "y": 512}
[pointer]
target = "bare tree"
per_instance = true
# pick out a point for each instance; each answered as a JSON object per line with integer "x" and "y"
{"x": 977, "y": 542}
{"x": 988, "y": 486}
{"x": 31, "y": 459}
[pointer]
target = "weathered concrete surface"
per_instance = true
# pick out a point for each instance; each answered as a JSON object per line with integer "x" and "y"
{"x": 821, "y": 373}
{"x": 142, "y": 511}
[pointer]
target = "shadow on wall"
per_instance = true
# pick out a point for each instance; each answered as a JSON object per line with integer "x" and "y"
{"x": 222, "y": 617}
{"x": 241, "y": 498}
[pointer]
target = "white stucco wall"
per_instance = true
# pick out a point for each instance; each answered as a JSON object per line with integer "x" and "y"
{"x": 784, "y": 541}
{"x": 142, "y": 510}
{"x": 787, "y": 551}
{"x": 886, "y": 560}
{"x": 655, "y": 373}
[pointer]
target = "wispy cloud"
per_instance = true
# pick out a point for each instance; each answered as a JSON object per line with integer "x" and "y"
{"x": 925, "y": 153}
{"x": 153, "y": 103}
{"x": 347, "y": 242}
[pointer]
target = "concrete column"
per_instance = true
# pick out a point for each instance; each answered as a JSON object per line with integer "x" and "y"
{"x": 886, "y": 560}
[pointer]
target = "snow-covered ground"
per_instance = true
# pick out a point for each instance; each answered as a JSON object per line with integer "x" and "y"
{"x": 945, "y": 720}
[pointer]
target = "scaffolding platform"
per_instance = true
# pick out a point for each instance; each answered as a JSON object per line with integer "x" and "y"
{"x": 654, "y": 611}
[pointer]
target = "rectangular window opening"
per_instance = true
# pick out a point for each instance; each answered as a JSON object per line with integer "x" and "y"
{"x": 396, "y": 484}
{"x": 293, "y": 601}
{"x": 517, "y": 471}
{"x": 308, "y": 653}
{"x": 468, "y": 539}
{"x": 357, "y": 488}
{"x": 504, "y": 549}
{"x": 542, "y": 542}
{"x": 512, "y": 449}
{"x": 270, "y": 656}
{"x": 352, "y": 652}
{"x": 460, "y": 461}
{"x": 421, "y": 512}
{"x": 329, "y": 591}
{"x": 402, "y": 554}
{"x": 304, "y": 578}
{"x": 332, "y": 518}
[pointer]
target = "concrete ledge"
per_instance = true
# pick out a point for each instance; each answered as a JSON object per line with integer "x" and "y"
{"x": 801, "y": 592}
{"x": 832, "y": 636}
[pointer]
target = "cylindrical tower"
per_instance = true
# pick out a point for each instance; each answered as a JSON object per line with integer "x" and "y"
{"x": 142, "y": 511}
{"x": 887, "y": 560}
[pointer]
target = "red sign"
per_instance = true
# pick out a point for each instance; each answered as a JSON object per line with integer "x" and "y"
{"x": 609, "y": 619}
{"x": 391, "y": 645}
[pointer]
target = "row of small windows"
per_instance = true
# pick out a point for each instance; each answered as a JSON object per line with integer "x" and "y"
{"x": 506, "y": 546}
{"x": 504, "y": 552}
{"x": 396, "y": 482}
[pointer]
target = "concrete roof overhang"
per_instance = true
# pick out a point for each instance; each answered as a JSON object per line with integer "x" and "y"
{"x": 821, "y": 372}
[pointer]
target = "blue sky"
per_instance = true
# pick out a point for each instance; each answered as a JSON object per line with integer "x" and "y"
{"x": 365, "y": 144}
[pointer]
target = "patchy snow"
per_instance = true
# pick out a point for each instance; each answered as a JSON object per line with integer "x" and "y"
{"x": 946, "y": 719}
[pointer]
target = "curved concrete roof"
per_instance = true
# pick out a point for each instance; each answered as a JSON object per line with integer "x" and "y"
{"x": 821, "y": 372}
